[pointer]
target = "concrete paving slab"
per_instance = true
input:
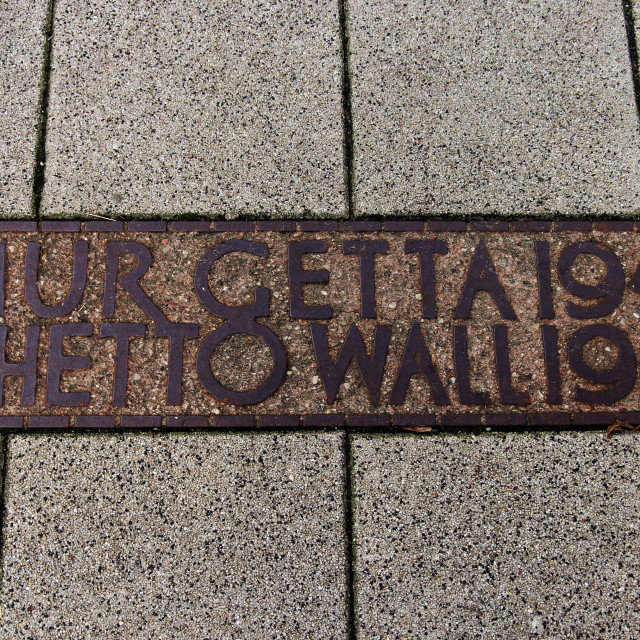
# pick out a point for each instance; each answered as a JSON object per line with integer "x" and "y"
{"x": 181, "y": 536}
{"x": 497, "y": 536}
{"x": 21, "y": 34}
{"x": 493, "y": 107}
{"x": 209, "y": 108}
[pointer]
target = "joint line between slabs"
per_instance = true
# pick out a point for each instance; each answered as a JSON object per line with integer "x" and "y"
{"x": 347, "y": 113}
{"x": 4, "y": 460}
{"x": 40, "y": 157}
{"x": 348, "y": 520}
{"x": 629, "y": 23}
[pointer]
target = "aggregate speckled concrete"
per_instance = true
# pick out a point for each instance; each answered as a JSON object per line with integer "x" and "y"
{"x": 497, "y": 536}
{"x": 501, "y": 107}
{"x": 21, "y": 59}
{"x": 235, "y": 109}
{"x": 210, "y": 108}
{"x": 175, "y": 536}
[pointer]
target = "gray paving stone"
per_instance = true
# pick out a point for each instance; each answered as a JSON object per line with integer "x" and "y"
{"x": 493, "y": 107}
{"x": 21, "y": 35}
{"x": 509, "y": 536}
{"x": 180, "y": 536}
{"x": 211, "y": 108}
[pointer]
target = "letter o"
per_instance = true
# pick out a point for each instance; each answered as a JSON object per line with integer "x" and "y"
{"x": 254, "y": 396}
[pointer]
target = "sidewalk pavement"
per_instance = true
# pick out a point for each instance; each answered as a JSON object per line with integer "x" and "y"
{"x": 302, "y": 110}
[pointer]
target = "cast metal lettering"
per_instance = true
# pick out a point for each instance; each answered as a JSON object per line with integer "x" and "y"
{"x": 239, "y": 320}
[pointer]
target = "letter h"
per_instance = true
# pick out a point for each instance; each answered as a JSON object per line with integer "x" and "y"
{"x": 27, "y": 369}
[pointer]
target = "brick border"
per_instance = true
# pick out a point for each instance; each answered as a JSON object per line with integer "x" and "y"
{"x": 315, "y": 421}
{"x": 317, "y": 226}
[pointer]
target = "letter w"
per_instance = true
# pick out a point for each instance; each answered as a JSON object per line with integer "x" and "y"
{"x": 371, "y": 369}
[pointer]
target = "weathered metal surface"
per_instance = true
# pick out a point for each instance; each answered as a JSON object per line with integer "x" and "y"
{"x": 237, "y": 324}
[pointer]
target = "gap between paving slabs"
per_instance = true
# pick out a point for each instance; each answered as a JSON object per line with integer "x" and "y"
{"x": 629, "y": 20}
{"x": 40, "y": 156}
{"x": 4, "y": 445}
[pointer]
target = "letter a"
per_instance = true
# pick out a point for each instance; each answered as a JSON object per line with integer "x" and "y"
{"x": 417, "y": 359}
{"x": 482, "y": 276}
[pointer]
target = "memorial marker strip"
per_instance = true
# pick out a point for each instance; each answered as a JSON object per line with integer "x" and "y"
{"x": 284, "y": 324}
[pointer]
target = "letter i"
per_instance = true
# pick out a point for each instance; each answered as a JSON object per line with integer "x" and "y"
{"x": 551, "y": 363}
{"x": 545, "y": 295}
{"x": 3, "y": 244}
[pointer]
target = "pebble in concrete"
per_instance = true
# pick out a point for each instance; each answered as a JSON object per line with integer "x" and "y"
{"x": 505, "y": 536}
{"x": 493, "y": 108}
{"x": 177, "y": 536}
{"x": 209, "y": 108}
{"x": 21, "y": 25}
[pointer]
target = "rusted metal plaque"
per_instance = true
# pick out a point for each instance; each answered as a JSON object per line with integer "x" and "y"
{"x": 290, "y": 324}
